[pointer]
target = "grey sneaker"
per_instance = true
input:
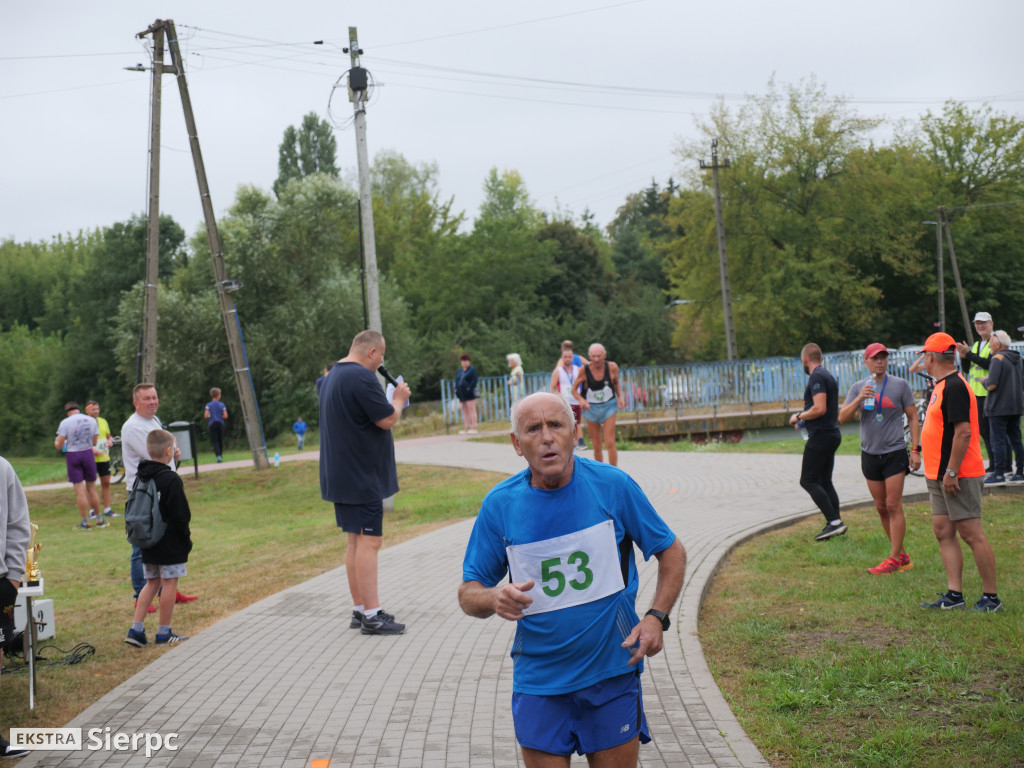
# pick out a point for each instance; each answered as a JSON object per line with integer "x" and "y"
{"x": 988, "y": 605}
{"x": 138, "y": 639}
{"x": 169, "y": 639}
{"x": 357, "y": 619}
{"x": 831, "y": 530}
{"x": 946, "y": 603}
{"x": 381, "y": 624}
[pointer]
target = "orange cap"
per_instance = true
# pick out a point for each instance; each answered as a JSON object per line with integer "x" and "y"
{"x": 939, "y": 342}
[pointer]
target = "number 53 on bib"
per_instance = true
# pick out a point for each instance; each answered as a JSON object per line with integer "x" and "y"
{"x": 568, "y": 570}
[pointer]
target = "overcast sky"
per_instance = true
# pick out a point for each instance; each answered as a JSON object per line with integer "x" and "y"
{"x": 585, "y": 98}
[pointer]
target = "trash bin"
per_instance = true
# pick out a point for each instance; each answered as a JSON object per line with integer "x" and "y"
{"x": 185, "y": 434}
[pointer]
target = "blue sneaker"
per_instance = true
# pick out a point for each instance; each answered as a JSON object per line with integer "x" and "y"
{"x": 138, "y": 639}
{"x": 988, "y": 605}
{"x": 946, "y": 603}
{"x": 169, "y": 639}
{"x": 995, "y": 479}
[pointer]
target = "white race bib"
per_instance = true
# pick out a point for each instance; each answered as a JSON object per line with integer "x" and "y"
{"x": 568, "y": 570}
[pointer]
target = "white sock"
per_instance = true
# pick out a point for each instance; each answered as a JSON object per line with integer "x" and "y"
{"x": 370, "y": 614}
{"x": 358, "y": 608}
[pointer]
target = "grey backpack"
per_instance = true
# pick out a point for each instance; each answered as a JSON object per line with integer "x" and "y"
{"x": 143, "y": 522}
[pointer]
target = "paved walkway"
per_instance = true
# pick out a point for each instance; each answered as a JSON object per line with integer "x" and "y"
{"x": 285, "y": 681}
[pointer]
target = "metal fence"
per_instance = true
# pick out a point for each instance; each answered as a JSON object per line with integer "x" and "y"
{"x": 710, "y": 387}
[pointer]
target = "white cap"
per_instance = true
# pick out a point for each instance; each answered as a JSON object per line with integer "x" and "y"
{"x": 983, "y": 316}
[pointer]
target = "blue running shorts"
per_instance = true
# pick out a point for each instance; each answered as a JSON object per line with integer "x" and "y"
{"x": 605, "y": 715}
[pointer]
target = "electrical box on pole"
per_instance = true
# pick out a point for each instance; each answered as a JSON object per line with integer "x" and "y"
{"x": 358, "y": 94}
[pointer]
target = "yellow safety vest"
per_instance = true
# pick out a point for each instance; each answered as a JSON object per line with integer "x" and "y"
{"x": 978, "y": 374}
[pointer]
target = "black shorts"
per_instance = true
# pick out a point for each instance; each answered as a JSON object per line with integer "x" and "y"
{"x": 881, "y": 467}
{"x": 103, "y": 468}
{"x": 366, "y": 518}
{"x": 8, "y": 597}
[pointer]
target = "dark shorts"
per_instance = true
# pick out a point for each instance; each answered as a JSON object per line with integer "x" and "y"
{"x": 81, "y": 466}
{"x": 8, "y": 597}
{"x": 367, "y": 518}
{"x": 103, "y": 468}
{"x": 605, "y": 715}
{"x": 883, "y": 466}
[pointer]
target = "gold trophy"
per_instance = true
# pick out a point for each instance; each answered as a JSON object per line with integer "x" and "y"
{"x": 32, "y": 559}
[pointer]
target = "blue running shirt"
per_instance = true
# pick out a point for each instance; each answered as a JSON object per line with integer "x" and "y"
{"x": 564, "y": 649}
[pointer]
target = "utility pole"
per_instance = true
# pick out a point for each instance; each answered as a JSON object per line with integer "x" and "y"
{"x": 944, "y": 224}
{"x": 723, "y": 262}
{"x": 149, "y": 309}
{"x": 939, "y": 272}
{"x": 232, "y": 327}
{"x": 358, "y": 90}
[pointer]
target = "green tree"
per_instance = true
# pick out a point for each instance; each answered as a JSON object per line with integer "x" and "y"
{"x": 311, "y": 148}
{"x": 814, "y": 219}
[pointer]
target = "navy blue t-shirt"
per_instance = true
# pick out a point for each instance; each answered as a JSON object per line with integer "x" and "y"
{"x": 357, "y": 458}
{"x": 822, "y": 381}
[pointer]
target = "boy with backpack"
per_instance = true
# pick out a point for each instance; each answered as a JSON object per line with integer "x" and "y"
{"x": 164, "y": 552}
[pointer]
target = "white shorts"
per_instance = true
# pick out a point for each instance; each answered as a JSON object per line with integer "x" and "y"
{"x": 175, "y": 571}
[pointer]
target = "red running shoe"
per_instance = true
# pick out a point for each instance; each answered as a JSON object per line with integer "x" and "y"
{"x": 180, "y": 598}
{"x": 889, "y": 565}
{"x": 905, "y": 564}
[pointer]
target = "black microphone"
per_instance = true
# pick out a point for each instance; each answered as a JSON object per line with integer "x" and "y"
{"x": 387, "y": 376}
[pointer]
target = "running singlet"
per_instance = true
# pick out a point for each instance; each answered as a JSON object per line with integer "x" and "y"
{"x": 605, "y": 393}
{"x": 565, "y": 380}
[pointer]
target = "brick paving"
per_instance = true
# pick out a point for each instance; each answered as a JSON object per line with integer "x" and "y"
{"x": 285, "y": 681}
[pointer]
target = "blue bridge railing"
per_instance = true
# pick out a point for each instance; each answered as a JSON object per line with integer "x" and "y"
{"x": 712, "y": 386}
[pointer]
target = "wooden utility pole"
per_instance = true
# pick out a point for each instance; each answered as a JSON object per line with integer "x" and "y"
{"x": 723, "y": 262}
{"x": 944, "y": 224}
{"x": 232, "y": 326}
{"x": 358, "y": 91}
{"x": 149, "y": 309}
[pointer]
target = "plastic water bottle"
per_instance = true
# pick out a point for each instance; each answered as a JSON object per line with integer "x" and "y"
{"x": 869, "y": 402}
{"x": 277, "y": 459}
{"x": 802, "y": 429}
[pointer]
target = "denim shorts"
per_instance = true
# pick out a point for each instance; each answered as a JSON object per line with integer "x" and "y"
{"x": 605, "y": 715}
{"x": 599, "y": 413}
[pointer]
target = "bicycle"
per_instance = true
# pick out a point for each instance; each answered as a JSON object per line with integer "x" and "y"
{"x": 921, "y": 404}
{"x": 116, "y": 461}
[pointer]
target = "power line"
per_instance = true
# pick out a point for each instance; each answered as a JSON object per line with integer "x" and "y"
{"x": 508, "y": 26}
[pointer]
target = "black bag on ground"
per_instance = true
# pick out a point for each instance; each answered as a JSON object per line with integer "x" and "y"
{"x": 143, "y": 522}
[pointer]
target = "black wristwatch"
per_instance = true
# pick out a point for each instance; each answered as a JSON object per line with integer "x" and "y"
{"x": 662, "y": 617}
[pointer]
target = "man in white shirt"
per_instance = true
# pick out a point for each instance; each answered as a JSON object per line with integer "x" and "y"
{"x": 133, "y": 449}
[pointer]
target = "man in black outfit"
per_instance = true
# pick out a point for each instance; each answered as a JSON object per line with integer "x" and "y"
{"x": 821, "y": 416}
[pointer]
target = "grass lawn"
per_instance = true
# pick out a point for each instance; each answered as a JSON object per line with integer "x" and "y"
{"x": 254, "y": 534}
{"x": 827, "y": 665}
